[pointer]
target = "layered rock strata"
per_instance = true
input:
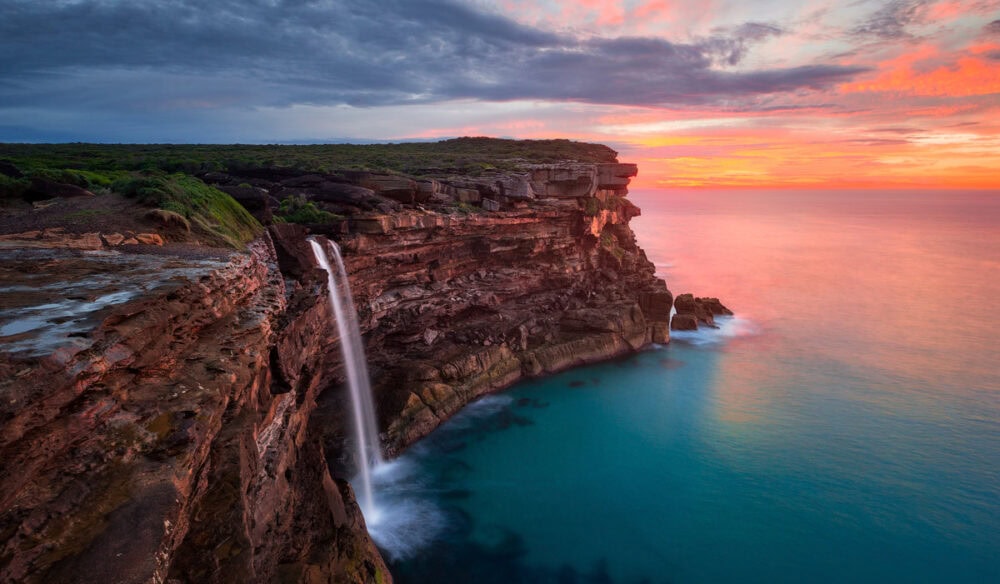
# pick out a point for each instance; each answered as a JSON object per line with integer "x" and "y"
{"x": 455, "y": 305}
{"x": 692, "y": 310}
{"x": 177, "y": 442}
{"x": 184, "y": 435}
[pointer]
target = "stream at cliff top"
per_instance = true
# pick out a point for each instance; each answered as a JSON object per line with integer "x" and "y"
{"x": 844, "y": 427}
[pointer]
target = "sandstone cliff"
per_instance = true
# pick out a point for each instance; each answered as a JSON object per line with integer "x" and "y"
{"x": 459, "y": 305}
{"x": 183, "y": 434}
{"x": 174, "y": 440}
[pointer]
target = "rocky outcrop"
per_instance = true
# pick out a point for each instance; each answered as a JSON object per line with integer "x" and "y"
{"x": 692, "y": 310}
{"x": 58, "y": 238}
{"x": 178, "y": 443}
{"x": 193, "y": 433}
{"x": 458, "y": 304}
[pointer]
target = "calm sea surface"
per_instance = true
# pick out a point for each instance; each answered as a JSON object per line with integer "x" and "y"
{"x": 843, "y": 427}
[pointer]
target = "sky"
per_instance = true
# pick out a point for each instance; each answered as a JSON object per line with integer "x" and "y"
{"x": 699, "y": 93}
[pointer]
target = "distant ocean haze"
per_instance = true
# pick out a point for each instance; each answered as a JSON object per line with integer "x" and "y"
{"x": 844, "y": 426}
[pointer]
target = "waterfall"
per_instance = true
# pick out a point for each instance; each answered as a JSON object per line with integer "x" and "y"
{"x": 673, "y": 313}
{"x": 365, "y": 426}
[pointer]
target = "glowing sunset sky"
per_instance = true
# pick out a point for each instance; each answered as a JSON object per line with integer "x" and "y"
{"x": 867, "y": 93}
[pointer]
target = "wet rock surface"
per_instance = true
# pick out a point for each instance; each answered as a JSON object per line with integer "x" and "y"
{"x": 54, "y": 298}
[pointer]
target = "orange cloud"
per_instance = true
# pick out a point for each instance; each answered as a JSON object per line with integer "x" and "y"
{"x": 926, "y": 72}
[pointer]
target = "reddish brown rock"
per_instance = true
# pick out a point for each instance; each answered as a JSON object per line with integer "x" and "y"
{"x": 703, "y": 310}
{"x": 714, "y": 306}
{"x": 660, "y": 332}
{"x": 112, "y": 239}
{"x": 684, "y": 322}
{"x": 149, "y": 238}
{"x": 52, "y": 238}
{"x": 186, "y": 438}
{"x": 176, "y": 445}
{"x": 508, "y": 294}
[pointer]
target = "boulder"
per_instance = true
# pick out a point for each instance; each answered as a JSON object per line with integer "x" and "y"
{"x": 714, "y": 306}
{"x": 687, "y": 305}
{"x": 113, "y": 239}
{"x": 684, "y": 322}
{"x": 703, "y": 309}
{"x": 149, "y": 238}
{"x": 294, "y": 254}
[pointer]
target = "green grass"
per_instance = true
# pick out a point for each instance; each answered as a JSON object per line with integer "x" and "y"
{"x": 209, "y": 210}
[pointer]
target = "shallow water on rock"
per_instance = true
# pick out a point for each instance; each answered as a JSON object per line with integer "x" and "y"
{"x": 843, "y": 427}
{"x": 53, "y": 298}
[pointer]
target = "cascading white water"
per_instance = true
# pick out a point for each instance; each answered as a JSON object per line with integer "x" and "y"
{"x": 673, "y": 313}
{"x": 365, "y": 425}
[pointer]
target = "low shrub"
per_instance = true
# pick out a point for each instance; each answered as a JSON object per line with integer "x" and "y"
{"x": 296, "y": 209}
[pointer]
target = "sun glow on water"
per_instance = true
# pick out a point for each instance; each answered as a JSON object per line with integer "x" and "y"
{"x": 838, "y": 428}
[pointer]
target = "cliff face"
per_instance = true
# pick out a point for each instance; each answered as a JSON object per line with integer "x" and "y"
{"x": 459, "y": 305}
{"x": 175, "y": 441}
{"x": 184, "y": 435}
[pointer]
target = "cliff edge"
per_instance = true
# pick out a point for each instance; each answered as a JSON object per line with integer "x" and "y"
{"x": 456, "y": 306}
{"x": 172, "y": 410}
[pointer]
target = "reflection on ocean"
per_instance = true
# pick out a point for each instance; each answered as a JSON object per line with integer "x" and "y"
{"x": 843, "y": 427}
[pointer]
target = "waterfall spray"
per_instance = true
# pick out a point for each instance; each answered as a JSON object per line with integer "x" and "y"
{"x": 365, "y": 426}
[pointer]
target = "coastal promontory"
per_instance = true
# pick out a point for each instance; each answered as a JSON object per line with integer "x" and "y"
{"x": 171, "y": 402}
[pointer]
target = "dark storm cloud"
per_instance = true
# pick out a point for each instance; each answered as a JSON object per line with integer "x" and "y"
{"x": 890, "y": 21}
{"x": 148, "y": 55}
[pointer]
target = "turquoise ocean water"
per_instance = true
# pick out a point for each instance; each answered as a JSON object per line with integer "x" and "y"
{"x": 843, "y": 427}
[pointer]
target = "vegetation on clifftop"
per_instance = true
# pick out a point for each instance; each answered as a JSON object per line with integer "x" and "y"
{"x": 296, "y": 209}
{"x": 458, "y": 155}
{"x": 177, "y": 179}
{"x": 208, "y": 209}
